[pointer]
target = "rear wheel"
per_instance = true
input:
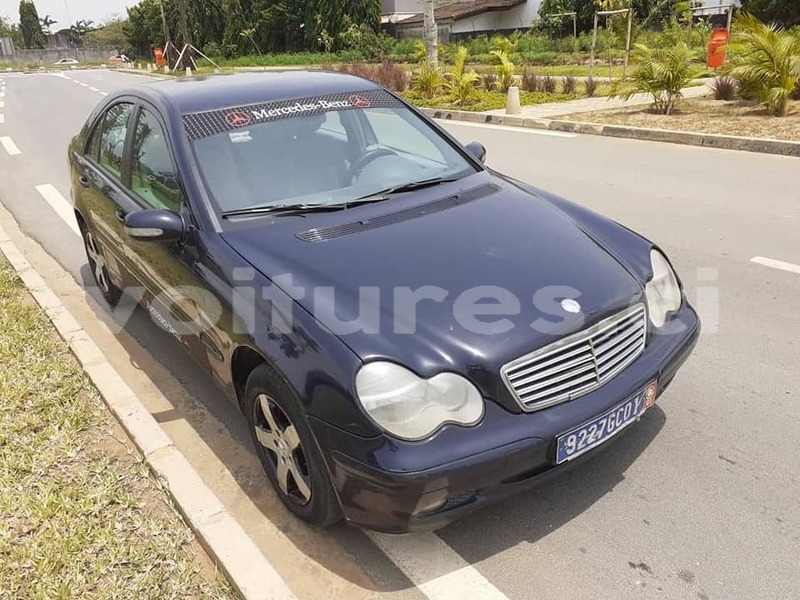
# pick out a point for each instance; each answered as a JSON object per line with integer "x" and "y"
{"x": 287, "y": 449}
{"x": 99, "y": 267}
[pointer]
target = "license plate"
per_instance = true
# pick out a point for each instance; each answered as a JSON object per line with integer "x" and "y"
{"x": 589, "y": 435}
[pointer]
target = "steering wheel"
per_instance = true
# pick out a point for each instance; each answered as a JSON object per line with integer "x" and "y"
{"x": 366, "y": 158}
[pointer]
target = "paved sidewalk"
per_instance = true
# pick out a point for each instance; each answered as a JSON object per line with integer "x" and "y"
{"x": 552, "y": 109}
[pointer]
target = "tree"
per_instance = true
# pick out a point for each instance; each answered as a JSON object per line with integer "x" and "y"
{"x": 12, "y": 31}
{"x": 662, "y": 73}
{"x": 30, "y": 26}
{"x": 766, "y": 62}
{"x": 80, "y": 29}
{"x": 110, "y": 33}
{"x": 143, "y": 29}
{"x": 47, "y": 23}
{"x": 431, "y": 34}
{"x": 784, "y": 12}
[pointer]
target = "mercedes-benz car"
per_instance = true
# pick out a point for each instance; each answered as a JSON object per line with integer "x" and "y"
{"x": 409, "y": 334}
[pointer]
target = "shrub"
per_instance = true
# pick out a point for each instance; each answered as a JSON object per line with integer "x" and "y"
{"x": 570, "y": 85}
{"x": 530, "y": 81}
{"x": 489, "y": 81}
{"x": 408, "y": 49}
{"x": 501, "y": 43}
{"x": 479, "y": 45}
{"x": 766, "y": 62}
{"x": 358, "y": 69}
{"x": 591, "y": 87}
{"x": 427, "y": 81}
{"x": 549, "y": 84}
{"x": 662, "y": 73}
{"x": 391, "y": 75}
{"x": 460, "y": 83}
{"x": 365, "y": 41}
{"x": 724, "y": 88}
{"x": 505, "y": 71}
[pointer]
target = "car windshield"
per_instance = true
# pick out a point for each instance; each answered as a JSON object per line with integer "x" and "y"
{"x": 318, "y": 152}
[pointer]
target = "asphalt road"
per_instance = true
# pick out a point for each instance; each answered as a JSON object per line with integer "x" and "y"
{"x": 701, "y": 499}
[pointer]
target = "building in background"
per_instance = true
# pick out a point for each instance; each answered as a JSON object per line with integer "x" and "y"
{"x": 460, "y": 18}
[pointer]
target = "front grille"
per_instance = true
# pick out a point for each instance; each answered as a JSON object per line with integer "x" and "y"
{"x": 577, "y": 364}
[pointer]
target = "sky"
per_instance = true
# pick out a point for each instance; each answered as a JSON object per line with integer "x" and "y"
{"x": 95, "y": 10}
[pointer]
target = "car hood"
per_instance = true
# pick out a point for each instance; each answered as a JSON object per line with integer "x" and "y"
{"x": 461, "y": 242}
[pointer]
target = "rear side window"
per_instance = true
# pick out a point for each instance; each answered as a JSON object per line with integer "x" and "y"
{"x": 112, "y": 138}
{"x": 153, "y": 177}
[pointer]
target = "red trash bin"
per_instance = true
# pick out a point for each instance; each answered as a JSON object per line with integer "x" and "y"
{"x": 716, "y": 47}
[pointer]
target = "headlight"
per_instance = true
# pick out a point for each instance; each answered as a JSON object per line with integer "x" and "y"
{"x": 412, "y": 408}
{"x": 662, "y": 291}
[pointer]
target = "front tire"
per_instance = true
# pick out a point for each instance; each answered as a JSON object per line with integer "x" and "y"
{"x": 288, "y": 450}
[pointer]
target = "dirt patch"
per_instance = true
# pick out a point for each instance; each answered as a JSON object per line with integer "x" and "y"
{"x": 740, "y": 118}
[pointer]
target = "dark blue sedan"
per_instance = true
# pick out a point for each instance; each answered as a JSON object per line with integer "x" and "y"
{"x": 409, "y": 334}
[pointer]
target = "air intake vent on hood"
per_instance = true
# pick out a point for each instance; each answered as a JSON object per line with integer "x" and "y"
{"x": 329, "y": 233}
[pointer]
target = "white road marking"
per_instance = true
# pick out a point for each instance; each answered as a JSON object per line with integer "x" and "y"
{"x": 2, "y": 94}
{"x": 94, "y": 89}
{"x": 776, "y": 264}
{"x": 2, "y": 103}
{"x": 560, "y": 134}
{"x": 60, "y": 205}
{"x": 435, "y": 568}
{"x": 10, "y": 146}
{"x": 83, "y": 84}
{"x": 104, "y": 93}
{"x": 2, "y": 119}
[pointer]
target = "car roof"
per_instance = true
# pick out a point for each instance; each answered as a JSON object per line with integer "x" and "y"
{"x": 213, "y": 92}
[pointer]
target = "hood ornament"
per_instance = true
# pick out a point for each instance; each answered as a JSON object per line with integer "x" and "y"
{"x": 571, "y": 306}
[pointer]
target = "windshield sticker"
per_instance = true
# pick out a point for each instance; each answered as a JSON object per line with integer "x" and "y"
{"x": 238, "y": 137}
{"x": 213, "y": 122}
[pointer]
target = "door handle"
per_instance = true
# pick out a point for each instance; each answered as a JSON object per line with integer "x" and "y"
{"x": 84, "y": 181}
{"x": 121, "y": 214}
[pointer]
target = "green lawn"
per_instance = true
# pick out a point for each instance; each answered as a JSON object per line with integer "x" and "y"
{"x": 81, "y": 515}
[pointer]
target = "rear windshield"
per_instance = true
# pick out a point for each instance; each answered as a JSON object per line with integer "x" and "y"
{"x": 323, "y": 150}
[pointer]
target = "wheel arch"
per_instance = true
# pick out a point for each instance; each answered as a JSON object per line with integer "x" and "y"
{"x": 245, "y": 360}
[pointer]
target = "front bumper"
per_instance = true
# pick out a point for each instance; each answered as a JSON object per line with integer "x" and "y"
{"x": 379, "y": 487}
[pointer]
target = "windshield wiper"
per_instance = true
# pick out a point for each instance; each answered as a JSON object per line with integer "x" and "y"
{"x": 287, "y": 210}
{"x": 281, "y": 209}
{"x": 409, "y": 187}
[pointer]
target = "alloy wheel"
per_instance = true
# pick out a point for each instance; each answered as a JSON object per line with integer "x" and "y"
{"x": 97, "y": 263}
{"x": 281, "y": 444}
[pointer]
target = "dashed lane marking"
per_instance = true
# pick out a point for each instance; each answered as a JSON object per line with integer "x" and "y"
{"x": 9, "y": 146}
{"x": 776, "y": 264}
{"x": 2, "y": 119}
{"x": 60, "y": 205}
{"x": 94, "y": 89}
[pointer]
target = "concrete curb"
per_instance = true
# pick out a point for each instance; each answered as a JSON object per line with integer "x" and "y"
{"x": 228, "y": 544}
{"x": 706, "y": 140}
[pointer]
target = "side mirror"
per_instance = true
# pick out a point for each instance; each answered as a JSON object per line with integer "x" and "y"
{"x": 155, "y": 226}
{"x": 477, "y": 150}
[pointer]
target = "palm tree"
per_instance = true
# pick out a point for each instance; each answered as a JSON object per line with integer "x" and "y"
{"x": 766, "y": 62}
{"x": 662, "y": 73}
{"x": 47, "y": 23}
{"x": 431, "y": 35}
